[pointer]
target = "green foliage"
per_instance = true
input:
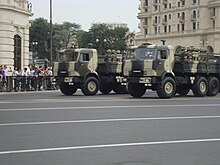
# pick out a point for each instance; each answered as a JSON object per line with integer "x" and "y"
{"x": 39, "y": 35}
{"x": 100, "y": 37}
{"x": 63, "y": 35}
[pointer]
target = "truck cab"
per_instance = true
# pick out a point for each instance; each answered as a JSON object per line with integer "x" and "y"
{"x": 150, "y": 63}
{"x": 151, "y": 68}
{"x": 76, "y": 68}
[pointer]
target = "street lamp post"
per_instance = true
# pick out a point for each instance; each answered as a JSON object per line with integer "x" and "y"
{"x": 101, "y": 45}
{"x": 51, "y": 36}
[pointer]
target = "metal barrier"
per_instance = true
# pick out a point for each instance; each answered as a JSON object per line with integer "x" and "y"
{"x": 21, "y": 83}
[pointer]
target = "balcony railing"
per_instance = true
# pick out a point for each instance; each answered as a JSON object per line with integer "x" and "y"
{"x": 165, "y": 1}
{"x": 182, "y": 19}
{"x": 212, "y": 15}
{"x": 164, "y": 21}
{"x": 193, "y": 18}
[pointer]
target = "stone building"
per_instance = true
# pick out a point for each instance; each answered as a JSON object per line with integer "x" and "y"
{"x": 14, "y": 32}
{"x": 180, "y": 22}
{"x": 111, "y": 25}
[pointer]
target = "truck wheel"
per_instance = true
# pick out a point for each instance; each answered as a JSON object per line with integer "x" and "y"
{"x": 213, "y": 86}
{"x": 136, "y": 90}
{"x": 183, "y": 90}
{"x": 200, "y": 87}
{"x": 67, "y": 89}
{"x": 167, "y": 88}
{"x": 90, "y": 87}
{"x": 120, "y": 89}
{"x": 105, "y": 88}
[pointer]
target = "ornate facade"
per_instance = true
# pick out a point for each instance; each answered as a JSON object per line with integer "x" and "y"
{"x": 14, "y": 32}
{"x": 180, "y": 22}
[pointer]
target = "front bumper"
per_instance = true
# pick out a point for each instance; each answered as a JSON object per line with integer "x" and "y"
{"x": 142, "y": 80}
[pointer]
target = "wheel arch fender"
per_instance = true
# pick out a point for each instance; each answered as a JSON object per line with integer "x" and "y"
{"x": 91, "y": 74}
{"x": 167, "y": 74}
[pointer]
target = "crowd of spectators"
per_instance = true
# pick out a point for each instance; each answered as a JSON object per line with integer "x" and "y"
{"x": 30, "y": 78}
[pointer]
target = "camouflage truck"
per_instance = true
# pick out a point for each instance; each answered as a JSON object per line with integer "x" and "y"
{"x": 86, "y": 70}
{"x": 168, "y": 71}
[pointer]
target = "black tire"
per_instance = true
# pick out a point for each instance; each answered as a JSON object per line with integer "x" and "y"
{"x": 136, "y": 90}
{"x": 90, "y": 87}
{"x": 167, "y": 88}
{"x": 67, "y": 89}
{"x": 213, "y": 86}
{"x": 200, "y": 87}
{"x": 183, "y": 90}
{"x": 105, "y": 88}
{"x": 120, "y": 89}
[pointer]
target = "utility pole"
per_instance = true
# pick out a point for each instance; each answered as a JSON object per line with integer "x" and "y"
{"x": 51, "y": 35}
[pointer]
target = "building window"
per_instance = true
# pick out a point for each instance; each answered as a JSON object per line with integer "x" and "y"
{"x": 155, "y": 19}
{"x": 145, "y": 21}
{"x": 183, "y": 16}
{"x": 178, "y": 4}
{"x": 197, "y": 25}
{"x": 194, "y": 14}
{"x": 146, "y": 3}
{"x": 194, "y": 26}
{"x": 169, "y": 28}
{"x": 165, "y": 6}
{"x": 178, "y": 15}
{"x": 146, "y": 31}
{"x": 155, "y": 30}
{"x": 183, "y": 3}
{"x": 165, "y": 29}
{"x": 212, "y": 13}
{"x": 194, "y": 1}
{"x": 17, "y": 51}
{"x": 213, "y": 24}
{"x": 178, "y": 27}
{"x": 170, "y": 6}
{"x": 183, "y": 27}
{"x": 169, "y": 16}
{"x": 165, "y": 18}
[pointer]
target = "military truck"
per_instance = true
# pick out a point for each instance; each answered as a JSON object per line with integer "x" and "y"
{"x": 168, "y": 71}
{"x": 86, "y": 70}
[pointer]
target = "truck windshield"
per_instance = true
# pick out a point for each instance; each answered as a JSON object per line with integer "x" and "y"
{"x": 68, "y": 56}
{"x": 145, "y": 53}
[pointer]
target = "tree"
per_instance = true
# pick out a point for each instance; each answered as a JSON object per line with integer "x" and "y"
{"x": 102, "y": 37}
{"x": 83, "y": 39}
{"x": 65, "y": 34}
{"x": 119, "y": 38}
{"x": 39, "y": 35}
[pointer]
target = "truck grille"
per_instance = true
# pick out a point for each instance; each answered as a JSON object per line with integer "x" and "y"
{"x": 63, "y": 69}
{"x": 137, "y": 68}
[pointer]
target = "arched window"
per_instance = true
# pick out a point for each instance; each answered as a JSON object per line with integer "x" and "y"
{"x": 210, "y": 49}
{"x": 194, "y": 14}
{"x": 165, "y": 18}
{"x": 17, "y": 51}
{"x": 183, "y": 16}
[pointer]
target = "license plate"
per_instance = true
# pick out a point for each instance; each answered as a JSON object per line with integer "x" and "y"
{"x": 68, "y": 79}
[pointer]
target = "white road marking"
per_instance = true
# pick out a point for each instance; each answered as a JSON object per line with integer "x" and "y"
{"x": 108, "y": 146}
{"x": 110, "y": 120}
{"x": 111, "y": 107}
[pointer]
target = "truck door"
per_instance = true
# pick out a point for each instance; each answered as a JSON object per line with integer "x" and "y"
{"x": 84, "y": 61}
{"x": 163, "y": 62}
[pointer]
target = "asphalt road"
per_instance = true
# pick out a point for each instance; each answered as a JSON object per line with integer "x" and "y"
{"x": 48, "y": 128}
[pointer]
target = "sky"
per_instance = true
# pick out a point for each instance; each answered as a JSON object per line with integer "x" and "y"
{"x": 85, "y": 12}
